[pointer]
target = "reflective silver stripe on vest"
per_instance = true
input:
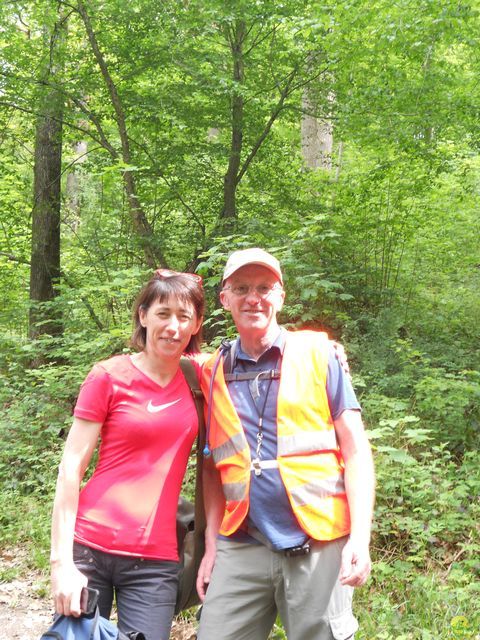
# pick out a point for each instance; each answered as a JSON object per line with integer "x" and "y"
{"x": 311, "y": 491}
{"x": 264, "y": 464}
{"x": 231, "y": 447}
{"x": 235, "y": 491}
{"x": 307, "y": 442}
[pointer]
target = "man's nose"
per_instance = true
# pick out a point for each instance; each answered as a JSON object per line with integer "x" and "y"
{"x": 253, "y": 296}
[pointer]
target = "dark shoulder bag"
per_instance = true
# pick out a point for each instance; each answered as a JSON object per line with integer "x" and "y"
{"x": 191, "y": 518}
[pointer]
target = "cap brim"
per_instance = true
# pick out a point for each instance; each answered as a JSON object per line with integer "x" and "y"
{"x": 230, "y": 272}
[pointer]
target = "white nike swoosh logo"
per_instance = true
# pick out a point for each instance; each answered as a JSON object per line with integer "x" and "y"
{"x": 152, "y": 408}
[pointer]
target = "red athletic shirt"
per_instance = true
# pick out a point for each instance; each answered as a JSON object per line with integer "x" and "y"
{"x": 129, "y": 505}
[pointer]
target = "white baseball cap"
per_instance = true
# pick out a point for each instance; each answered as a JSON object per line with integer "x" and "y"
{"x": 243, "y": 257}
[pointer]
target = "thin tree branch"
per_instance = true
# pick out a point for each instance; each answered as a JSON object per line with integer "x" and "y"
{"x": 37, "y": 114}
{"x": 152, "y": 253}
{"x": 257, "y": 40}
{"x": 160, "y": 174}
{"x": 274, "y": 115}
{"x": 13, "y": 258}
{"x": 88, "y": 306}
{"x": 112, "y": 89}
{"x": 93, "y": 118}
{"x": 77, "y": 101}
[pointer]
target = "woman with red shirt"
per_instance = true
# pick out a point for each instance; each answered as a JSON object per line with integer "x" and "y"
{"x": 118, "y": 533}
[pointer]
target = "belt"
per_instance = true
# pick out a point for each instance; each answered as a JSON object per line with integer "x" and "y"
{"x": 291, "y": 552}
{"x": 300, "y": 550}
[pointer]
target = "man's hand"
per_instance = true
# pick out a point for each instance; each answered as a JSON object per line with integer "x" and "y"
{"x": 356, "y": 564}
{"x": 205, "y": 572}
{"x": 360, "y": 490}
{"x": 214, "y": 509}
{"x": 67, "y": 584}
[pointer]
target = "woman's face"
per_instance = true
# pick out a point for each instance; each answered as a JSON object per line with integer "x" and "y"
{"x": 169, "y": 326}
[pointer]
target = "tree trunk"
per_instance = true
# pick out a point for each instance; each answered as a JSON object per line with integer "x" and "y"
{"x": 317, "y": 136}
{"x": 229, "y": 212}
{"x": 45, "y": 251}
{"x": 72, "y": 191}
{"x": 153, "y": 255}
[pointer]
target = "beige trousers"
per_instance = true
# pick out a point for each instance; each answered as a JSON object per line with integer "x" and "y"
{"x": 251, "y": 584}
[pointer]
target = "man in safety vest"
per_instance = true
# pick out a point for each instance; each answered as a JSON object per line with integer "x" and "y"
{"x": 288, "y": 474}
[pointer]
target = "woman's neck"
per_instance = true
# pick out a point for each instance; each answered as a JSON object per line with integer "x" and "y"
{"x": 161, "y": 370}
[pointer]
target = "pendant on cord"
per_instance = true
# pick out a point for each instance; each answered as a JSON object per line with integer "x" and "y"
{"x": 256, "y": 461}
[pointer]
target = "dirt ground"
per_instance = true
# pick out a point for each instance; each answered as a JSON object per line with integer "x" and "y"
{"x": 25, "y": 609}
{"x": 24, "y": 613}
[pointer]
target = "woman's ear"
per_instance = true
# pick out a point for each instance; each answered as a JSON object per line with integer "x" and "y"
{"x": 141, "y": 316}
{"x": 198, "y": 327}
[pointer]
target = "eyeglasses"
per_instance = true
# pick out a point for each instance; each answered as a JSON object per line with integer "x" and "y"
{"x": 261, "y": 290}
{"x": 168, "y": 273}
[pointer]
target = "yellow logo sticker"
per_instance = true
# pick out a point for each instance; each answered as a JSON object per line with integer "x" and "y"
{"x": 461, "y": 628}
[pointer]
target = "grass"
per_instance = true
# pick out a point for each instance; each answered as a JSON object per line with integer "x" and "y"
{"x": 416, "y": 605}
{"x": 402, "y": 600}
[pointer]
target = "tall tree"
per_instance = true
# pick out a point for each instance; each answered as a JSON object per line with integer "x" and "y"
{"x": 235, "y": 36}
{"x": 317, "y": 135}
{"x": 45, "y": 254}
{"x": 153, "y": 253}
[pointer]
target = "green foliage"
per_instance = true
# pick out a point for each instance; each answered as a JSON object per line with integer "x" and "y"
{"x": 426, "y": 506}
{"x": 26, "y": 520}
{"x": 277, "y": 632}
{"x": 402, "y": 603}
{"x": 381, "y": 250}
{"x": 450, "y": 403}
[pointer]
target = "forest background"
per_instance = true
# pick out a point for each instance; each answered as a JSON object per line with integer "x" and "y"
{"x": 343, "y": 137}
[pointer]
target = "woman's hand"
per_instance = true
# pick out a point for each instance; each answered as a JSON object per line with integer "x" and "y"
{"x": 67, "y": 585}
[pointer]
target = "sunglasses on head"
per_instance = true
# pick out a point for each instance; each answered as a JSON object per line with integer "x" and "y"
{"x": 164, "y": 274}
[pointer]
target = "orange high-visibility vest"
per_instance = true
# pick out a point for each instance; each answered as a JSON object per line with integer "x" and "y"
{"x": 309, "y": 459}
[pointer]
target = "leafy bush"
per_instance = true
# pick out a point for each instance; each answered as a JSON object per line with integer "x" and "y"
{"x": 450, "y": 404}
{"x": 401, "y": 603}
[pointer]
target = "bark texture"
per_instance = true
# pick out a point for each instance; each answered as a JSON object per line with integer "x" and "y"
{"x": 45, "y": 250}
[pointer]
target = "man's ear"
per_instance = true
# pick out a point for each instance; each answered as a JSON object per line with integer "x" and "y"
{"x": 224, "y": 300}
{"x": 282, "y": 300}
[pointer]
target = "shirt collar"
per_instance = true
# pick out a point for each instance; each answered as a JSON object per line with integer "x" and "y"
{"x": 277, "y": 345}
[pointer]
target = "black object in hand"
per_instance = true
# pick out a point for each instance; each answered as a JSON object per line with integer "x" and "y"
{"x": 88, "y": 600}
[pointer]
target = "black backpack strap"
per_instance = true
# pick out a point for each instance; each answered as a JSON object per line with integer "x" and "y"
{"x": 273, "y": 374}
{"x": 187, "y": 594}
{"x": 192, "y": 380}
{"x": 229, "y": 348}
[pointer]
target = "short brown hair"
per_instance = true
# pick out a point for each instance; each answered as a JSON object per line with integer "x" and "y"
{"x": 165, "y": 284}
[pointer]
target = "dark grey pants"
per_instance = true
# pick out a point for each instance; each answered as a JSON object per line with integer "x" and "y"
{"x": 145, "y": 590}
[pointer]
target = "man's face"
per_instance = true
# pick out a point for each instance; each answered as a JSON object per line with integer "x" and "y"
{"x": 254, "y": 296}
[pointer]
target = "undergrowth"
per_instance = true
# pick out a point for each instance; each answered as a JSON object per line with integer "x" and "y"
{"x": 423, "y": 426}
